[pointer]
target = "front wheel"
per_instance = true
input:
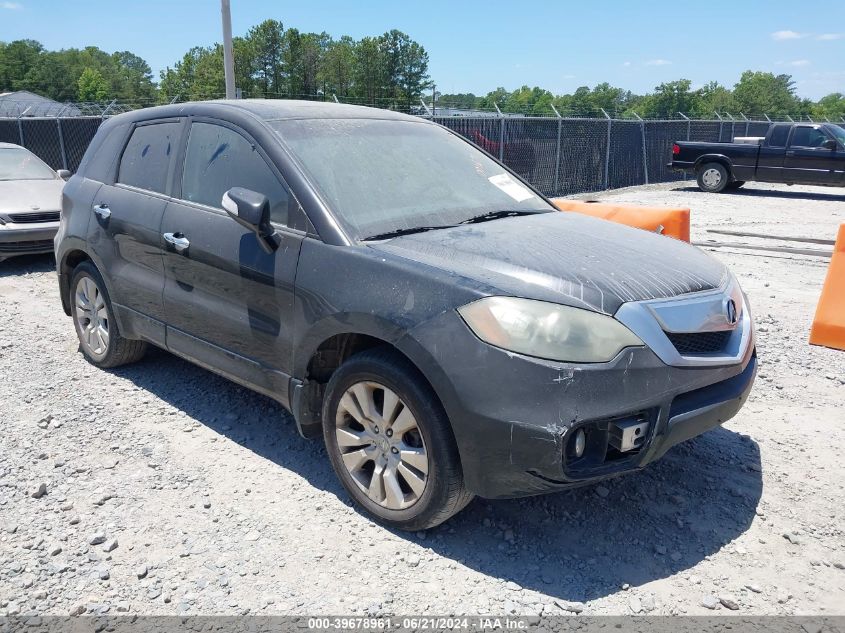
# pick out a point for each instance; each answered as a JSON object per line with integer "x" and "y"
{"x": 390, "y": 442}
{"x": 712, "y": 177}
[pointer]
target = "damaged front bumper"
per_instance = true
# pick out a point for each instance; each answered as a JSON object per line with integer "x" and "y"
{"x": 515, "y": 417}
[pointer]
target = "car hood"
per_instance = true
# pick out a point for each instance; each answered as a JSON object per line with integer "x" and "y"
{"x": 566, "y": 258}
{"x": 17, "y": 196}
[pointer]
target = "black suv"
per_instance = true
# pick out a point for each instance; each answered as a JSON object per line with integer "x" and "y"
{"x": 445, "y": 329}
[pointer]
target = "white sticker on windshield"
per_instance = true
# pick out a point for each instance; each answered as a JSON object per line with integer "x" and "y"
{"x": 511, "y": 187}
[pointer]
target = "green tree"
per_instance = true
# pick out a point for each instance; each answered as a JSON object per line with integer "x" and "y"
{"x": 461, "y": 100}
{"x": 133, "y": 78}
{"x": 337, "y": 68}
{"x": 92, "y": 86}
{"x": 831, "y": 106}
{"x": 265, "y": 62}
{"x": 413, "y": 78}
{"x": 16, "y": 60}
{"x": 713, "y": 98}
{"x": 369, "y": 71}
{"x": 669, "y": 99}
{"x": 498, "y": 97}
{"x": 758, "y": 93}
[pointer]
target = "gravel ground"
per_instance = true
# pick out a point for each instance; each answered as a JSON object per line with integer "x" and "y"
{"x": 160, "y": 488}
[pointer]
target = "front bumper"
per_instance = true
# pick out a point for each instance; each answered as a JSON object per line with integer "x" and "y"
{"x": 27, "y": 239}
{"x": 513, "y": 416}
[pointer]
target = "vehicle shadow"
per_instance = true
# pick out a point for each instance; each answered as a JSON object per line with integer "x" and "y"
{"x": 24, "y": 264}
{"x": 574, "y": 546}
{"x": 749, "y": 191}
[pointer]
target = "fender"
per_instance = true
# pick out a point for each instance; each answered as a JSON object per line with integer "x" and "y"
{"x": 714, "y": 158}
{"x": 339, "y": 324}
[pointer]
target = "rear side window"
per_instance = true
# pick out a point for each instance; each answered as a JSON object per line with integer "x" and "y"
{"x": 146, "y": 159}
{"x": 807, "y": 137}
{"x": 779, "y": 136}
{"x": 218, "y": 159}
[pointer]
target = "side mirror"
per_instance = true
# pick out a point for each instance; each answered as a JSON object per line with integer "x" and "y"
{"x": 64, "y": 174}
{"x": 829, "y": 144}
{"x": 252, "y": 211}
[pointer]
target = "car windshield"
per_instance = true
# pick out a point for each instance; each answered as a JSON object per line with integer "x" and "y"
{"x": 839, "y": 132}
{"x": 382, "y": 177}
{"x": 20, "y": 164}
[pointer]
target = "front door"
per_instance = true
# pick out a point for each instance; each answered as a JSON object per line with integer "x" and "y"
{"x": 229, "y": 304}
{"x": 124, "y": 232}
{"x": 808, "y": 162}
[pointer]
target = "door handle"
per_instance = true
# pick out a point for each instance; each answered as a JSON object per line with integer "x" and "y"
{"x": 179, "y": 241}
{"x": 790, "y": 153}
{"x": 103, "y": 211}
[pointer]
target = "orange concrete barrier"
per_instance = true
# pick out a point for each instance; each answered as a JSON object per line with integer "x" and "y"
{"x": 829, "y": 325}
{"x": 671, "y": 222}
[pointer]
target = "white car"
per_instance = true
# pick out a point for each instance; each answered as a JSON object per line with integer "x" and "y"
{"x": 30, "y": 200}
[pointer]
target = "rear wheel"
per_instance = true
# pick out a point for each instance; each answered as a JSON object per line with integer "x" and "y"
{"x": 735, "y": 184}
{"x": 390, "y": 442}
{"x": 712, "y": 177}
{"x": 93, "y": 317}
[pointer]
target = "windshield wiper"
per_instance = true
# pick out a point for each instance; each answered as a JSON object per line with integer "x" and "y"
{"x": 495, "y": 215}
{"x": 407, "y": 231}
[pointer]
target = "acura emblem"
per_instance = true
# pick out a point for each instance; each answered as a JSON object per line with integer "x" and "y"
{"x": 730, "y": 311}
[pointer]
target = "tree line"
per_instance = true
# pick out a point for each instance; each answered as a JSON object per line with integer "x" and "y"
{"x": 754, "y": 95}
{"x": 388, "y": 70}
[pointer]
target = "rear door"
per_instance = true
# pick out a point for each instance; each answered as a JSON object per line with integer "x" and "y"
{"x": 229, "y": 304}
{"x": 124, "y": 230}
{"x": 807, "y": 162}
{"x": 772, "y": 153}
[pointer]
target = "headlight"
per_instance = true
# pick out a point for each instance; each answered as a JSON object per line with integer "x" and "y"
{"x": 547, "y": 330}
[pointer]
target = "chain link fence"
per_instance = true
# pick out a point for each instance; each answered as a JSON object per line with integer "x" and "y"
{"x": 58, "y": 141}
{"x": 558, "y": 155}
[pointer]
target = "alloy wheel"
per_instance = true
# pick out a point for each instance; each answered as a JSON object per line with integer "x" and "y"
{"x": 381, "y": 445}
{"x": 92, "y": 317}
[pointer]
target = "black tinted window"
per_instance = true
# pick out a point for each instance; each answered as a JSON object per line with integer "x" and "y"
{"x": 218, "y": 159}
{"x": 779, "y": 135}
{"x": 146, "y": 158}
{"x": 808, "y": 137}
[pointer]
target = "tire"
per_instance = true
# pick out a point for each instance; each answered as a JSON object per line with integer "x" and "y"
{"x": 735, "y": 184}
{"x": 99, "y": 339}
{"x": 712, "y": 177}
{"x": 367, "y": 452}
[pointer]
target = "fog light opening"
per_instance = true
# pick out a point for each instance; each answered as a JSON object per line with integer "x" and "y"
{"x": 579, "y": 443}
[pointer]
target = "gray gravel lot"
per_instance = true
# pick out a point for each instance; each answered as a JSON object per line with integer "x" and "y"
{"x": 160, "y": 488}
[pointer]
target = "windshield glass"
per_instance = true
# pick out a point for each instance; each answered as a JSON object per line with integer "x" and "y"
{"x": 384, "y": 176}
{"x": 20, "y": 164}
{"x": 839, "y": 132}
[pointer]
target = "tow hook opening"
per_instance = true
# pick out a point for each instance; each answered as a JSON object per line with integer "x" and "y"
{"x": 593, "y": 447}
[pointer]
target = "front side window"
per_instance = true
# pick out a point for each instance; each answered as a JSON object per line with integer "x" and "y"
{"x": 838, "y": 132}
{"x": 146, "y": 159}
{"x": 808, "y": 137}
{"x": 218, "y": 159}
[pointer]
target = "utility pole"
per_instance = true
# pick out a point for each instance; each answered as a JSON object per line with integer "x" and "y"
{"x": 433, "y": 95}
{"x": 228, "y": 59}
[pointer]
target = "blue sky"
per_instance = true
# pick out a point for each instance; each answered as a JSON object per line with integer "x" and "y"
{"x": 476, "y": 46}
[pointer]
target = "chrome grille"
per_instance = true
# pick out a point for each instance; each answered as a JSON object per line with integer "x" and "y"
{"x": 35, "y": 217}
{"x": 697, "y": 343}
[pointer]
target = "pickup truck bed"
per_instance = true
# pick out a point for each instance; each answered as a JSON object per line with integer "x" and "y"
{"x": 799, "y": 153}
